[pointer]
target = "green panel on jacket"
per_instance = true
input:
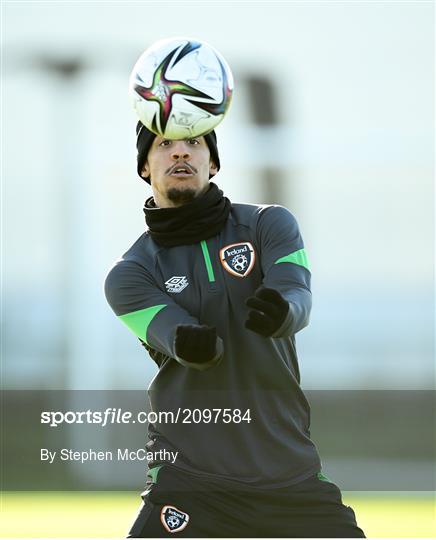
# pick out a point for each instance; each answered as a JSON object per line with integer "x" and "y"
{"x": 297, "y": 257}
{"x": 138, "y": 321}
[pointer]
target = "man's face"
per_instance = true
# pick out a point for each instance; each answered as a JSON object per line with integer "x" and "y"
{"x": 179, "y": 170}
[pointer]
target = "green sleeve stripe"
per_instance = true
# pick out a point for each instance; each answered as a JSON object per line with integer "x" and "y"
{"x": 297, "y": 257}
{"x": 138, "y": 321}
{"x": 207, "y": 261}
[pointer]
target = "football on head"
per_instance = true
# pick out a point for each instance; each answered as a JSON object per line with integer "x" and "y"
{"x": 181, "y": 88}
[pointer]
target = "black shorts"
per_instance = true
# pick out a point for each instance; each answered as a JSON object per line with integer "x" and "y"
{"x": 179, "y": 504}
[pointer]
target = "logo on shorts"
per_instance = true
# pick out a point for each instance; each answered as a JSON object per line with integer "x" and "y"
{"x": 173, "y": 519}
{"x": 176, "y": 284}
{"x": 238, "y": 259}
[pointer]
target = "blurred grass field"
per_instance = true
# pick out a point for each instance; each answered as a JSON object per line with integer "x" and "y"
{"x": 109, "y": 514}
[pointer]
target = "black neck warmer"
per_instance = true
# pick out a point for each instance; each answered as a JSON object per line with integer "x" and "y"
{"x": 198, "y": 220}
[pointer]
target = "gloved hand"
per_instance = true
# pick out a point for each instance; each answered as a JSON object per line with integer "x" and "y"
{"x": 196, "y": 345}
{"x": 268, "y": 311}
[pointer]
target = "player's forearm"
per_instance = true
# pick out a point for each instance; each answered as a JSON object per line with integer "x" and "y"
{"x": 192, "y": 345}
{"x": 150, "y": 314}
{"x": 293, "y": 283}
{"x": 300, "y": 303}
{"x": 161, "y": 332}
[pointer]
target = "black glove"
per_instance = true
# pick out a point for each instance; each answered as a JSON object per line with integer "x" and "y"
{"x": 268, "y": 313}
{"x": 196, "y": 345}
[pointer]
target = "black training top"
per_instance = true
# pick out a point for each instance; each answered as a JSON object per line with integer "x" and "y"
{"x": 152, "y": 289}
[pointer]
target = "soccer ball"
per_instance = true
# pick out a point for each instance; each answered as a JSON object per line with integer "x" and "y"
{"x": 181, "y": 88}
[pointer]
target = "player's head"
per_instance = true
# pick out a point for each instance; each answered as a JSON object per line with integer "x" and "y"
{"x": 144, "y": 141}
{"x": 177, "y": 170}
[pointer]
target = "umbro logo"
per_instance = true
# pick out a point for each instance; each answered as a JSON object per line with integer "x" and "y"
{"x": 176, "y": 284}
